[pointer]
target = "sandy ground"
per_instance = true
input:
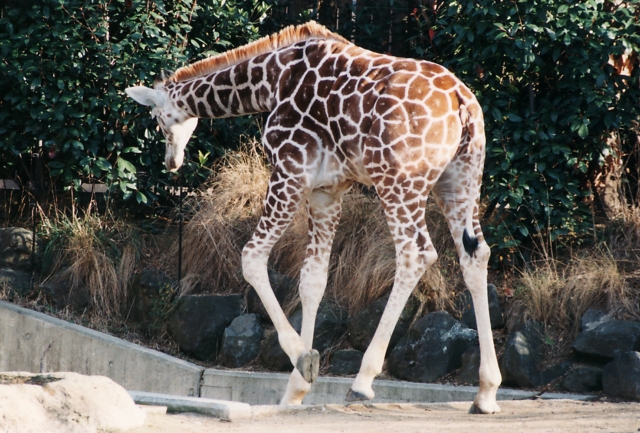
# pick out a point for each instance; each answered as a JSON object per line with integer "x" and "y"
{"x": 517, "y": 416}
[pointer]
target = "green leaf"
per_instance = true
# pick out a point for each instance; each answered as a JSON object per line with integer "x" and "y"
{"x": 103, "y": 164}
{"x": 125, "y": 165}
{"x": 56, "y": 164}
{"x": 583, "y": 131}
{"x": 140, "y": 197}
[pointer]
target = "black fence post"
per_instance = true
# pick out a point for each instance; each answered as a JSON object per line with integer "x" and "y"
{"x": 180, "y": 222}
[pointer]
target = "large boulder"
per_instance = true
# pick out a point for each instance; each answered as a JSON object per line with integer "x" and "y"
{"x": 198, "y": 322}
{"x": 554, "y": 372}
{"x": 608, "y": 339}
{"x": 469, "y": 372}
{"x": 57, "y": 290}
{"x": 241, "y": 341}
{"x": 363, "y": 325}
{"x": 16, "y": 280}
{"x": 621, "y": 377}
{"x": 583, "y": 378}
{"x": 15, "y": 248}
{"x": 150, "y": 292}
{"x": 431, "y": 348}
{"x": 283, "y": 287}
{"x": 16, "y": 265}
{"x": 495, "y": 310}
{"x": 593, "y": 317}
{"x": 522, "y": 356}
{"x": 345, "y": 362}
{"x": 330, "y": 325}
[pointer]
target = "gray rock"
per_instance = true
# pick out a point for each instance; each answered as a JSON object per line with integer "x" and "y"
{"x": 522, "y": 355}
{"x": 608, "y": 339}
{"x": 283, "y": 287}
{"x": 330, "y": 325}
{"x": 470, "y": 369}
{"x": 272, "y": 355}
{"x": 17, "y": 281}
{"x": 241, "y": 341}
{"x": 592, "y": 318}
{"x": 495, "y": 311}
{"x": 621, "y": 377}
{"x": 431, "y": 348}
{"x": 364, "y": 324}
{"x": 554, "y": 372}
{"x": 198, "y": 323}
{"x": 150, "y": 291}
{"x": 345, "y": 362}
{"x": 57, "y": 290}
{"x": 15, "y": 248}
{"x": 583, "y": 378}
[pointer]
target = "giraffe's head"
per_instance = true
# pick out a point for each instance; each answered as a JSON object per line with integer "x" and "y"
{"x": 176, "y": 124}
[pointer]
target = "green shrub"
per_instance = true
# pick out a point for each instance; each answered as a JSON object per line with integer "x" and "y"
{"x": 541, "y": 71}
{"x": 66, "y": 64}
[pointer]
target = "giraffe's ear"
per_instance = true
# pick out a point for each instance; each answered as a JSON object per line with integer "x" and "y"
{"x": 143, "y": 95}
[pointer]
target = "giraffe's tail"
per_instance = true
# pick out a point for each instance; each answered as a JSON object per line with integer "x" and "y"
{"x": 472, "y": 149}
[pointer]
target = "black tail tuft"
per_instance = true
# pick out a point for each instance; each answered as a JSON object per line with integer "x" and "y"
{"x": 470, "y": 243}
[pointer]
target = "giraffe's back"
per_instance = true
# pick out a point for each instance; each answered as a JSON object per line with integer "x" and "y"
{"x": 361, "y": 114}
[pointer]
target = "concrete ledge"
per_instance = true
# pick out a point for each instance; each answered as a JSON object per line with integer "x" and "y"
{"x": 267, "y": 389}
{"x": 25, "y": 336}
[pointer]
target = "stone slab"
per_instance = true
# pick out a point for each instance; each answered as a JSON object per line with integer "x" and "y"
{"x": 29, "y": 340}
{"x": 228, "y": 410}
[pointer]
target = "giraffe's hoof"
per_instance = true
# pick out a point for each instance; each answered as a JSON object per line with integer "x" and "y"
{"x": 356, "y": 396}
{"x": 308, "y": 365}
{"x": 477, "y": 410}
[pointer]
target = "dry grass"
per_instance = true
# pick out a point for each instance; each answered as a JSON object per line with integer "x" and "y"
{"x": 559, "y": 294}
{"x": 228, "y": 209}
{"x": 92, "y": 254}
{"x": 362, "y": 265}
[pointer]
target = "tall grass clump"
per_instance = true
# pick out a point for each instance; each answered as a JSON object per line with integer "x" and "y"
{"x": 362, "y": 265}
{"x": 558, "y": 293}
{"x": 227, "y": 209}
{"x": 93, "y": 254}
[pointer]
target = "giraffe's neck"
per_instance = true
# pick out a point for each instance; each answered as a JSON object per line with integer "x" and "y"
{"x": 246, "y": 88}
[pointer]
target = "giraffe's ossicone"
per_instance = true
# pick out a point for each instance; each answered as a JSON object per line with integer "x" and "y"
{"x": 341, "y": 114}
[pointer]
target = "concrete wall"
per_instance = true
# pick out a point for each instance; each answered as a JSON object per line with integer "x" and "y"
{"x": 26, "y": 334}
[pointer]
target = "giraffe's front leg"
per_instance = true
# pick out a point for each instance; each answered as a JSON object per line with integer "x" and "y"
{"x": 324, "y": 215}
{"x": 280, "y": 206}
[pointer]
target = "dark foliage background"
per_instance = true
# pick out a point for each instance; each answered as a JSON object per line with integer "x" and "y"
{"x": 556, "y": 109}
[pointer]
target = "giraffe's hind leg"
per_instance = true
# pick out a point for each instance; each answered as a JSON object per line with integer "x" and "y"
{"x": 324, "y": 214}
{"x": 281, "y": 203}
{"x": 404, "y": 208}
{"x": 457, "y": 193}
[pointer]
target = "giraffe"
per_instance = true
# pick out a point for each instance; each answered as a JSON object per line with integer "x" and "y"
{"x": 340, "y": 114}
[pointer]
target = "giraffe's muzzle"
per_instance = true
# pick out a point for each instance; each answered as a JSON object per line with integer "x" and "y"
{"x": 172, "y": 163}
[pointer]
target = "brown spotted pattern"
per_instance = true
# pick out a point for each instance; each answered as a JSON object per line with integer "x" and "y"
{"x": 340, "y": 114}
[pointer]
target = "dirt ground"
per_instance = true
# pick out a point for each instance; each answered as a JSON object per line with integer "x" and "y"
{"x": 517, "y": 416}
